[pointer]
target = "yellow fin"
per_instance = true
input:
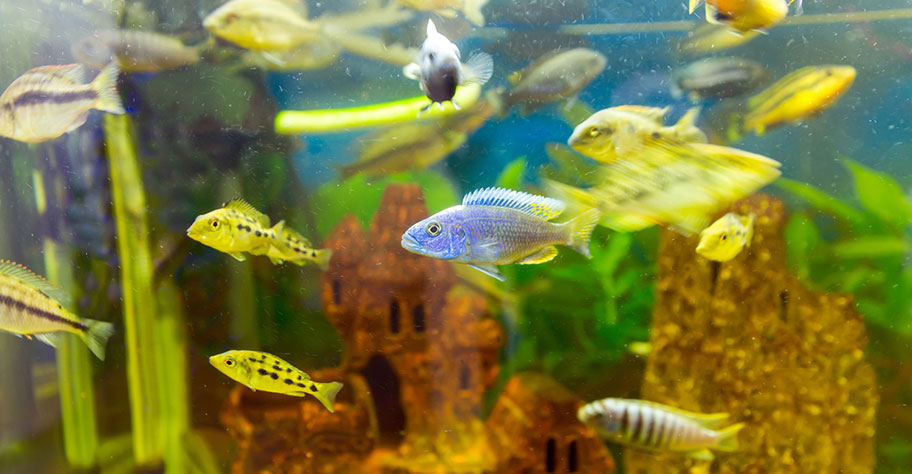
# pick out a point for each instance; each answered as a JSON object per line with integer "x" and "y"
{"x": 281, "y": 230}
{"x": 244, "y": 207}
{"x": 326, "y": 393}
{"x": 727, "y": 440}
{"x": 26, "y": 276}
{"x": 693, "y": 5}
{"x": 701, "y": 455}
{"x": 655, "y": 114}
{"x": 544, "y": 255}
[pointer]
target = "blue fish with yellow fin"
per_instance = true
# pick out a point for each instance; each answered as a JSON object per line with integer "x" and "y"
{"x": 495, "y": 226}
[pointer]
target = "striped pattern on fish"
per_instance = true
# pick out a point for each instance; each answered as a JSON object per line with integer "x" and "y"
{"x": 48, "y": 101}
{"x": 653, "y": 426}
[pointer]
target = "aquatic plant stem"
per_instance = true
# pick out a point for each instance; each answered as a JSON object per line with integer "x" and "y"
{"x": 290, "y": 122}
{"x": 171, "y": 339}
{"x": 74, "y": 369}
{"x": 136, "y": 286}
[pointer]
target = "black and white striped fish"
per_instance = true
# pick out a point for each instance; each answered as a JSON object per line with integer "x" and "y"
{"x": 48, "y": 101}
{"x": 657, "y": 427}
{"x": 31, "y": 307}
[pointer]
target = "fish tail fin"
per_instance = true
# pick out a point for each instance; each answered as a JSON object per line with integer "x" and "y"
{"x": 689, "y": 119}
{"x": 693, "y": 5}
{"x": 687, "y": 129}
{"x": 96, "y": 336}
{"x": 481, "y": 67}
{"x": 472, "y": 11}
{"x": 323, "y": 257}
{"x": 105, "y": 85}
{"x": 750, "y": 227}
{"x": 581, "y": 228}
{"x": 728, "y": 438}
{"x": 326, "y": 394}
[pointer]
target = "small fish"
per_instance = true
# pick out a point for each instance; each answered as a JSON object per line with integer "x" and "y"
{"x": 447, "y": 8}
{"x": 724, "y": 239}
{"x": 239, "y": 228}
{"x": 30, "y": 306}
{"x": 719, "y": 77}
{"x": 799, "y": 95}
{"x": 268, "y": 373}
{"x": 135, "y": 51}
{"x": 439, "y": 70}
{"x": 746, "y": 15}
{"x": 679, "y": 185}
{"x": 48, "y": 101}
{"x": 495, "y": 226}
{"x": 270, "y": 25}
{"x": 617, "y": 131}
{"x": 656, "y": 427}
{"x": 554, "y": 76}
{"x": 708, "y": 38}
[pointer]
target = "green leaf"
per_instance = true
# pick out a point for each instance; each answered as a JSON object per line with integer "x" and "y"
{"x": 822, "y": 201}
{"x": 802, "y": 239}
{"x": 512, "y": 175}
{"x": 576, "y": 112}
{"x": 606, "y": 259}
{"x": 871, "y": 246}
{"x": 880, "y": 194}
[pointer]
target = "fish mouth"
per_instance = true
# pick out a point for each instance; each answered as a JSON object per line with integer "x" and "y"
{"x": 409, "y": 243}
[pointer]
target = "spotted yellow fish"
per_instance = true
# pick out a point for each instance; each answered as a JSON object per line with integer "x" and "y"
{"x": 238, "y": 228}
{"x": 32, "y": 307}
{"x": 617, "y": 131}
{"x": 724, "y": 239}
{"x": 798, "y": 95}
{"x": 655, "y": 427}
{"x": 48, "y": 101}
{"x": 268, "y": 373}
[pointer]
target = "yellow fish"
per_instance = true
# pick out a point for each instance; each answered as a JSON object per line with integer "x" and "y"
{"x": 708, "y": 38}
{"x": 268, "y": 373}
{"x": 675, "y": 185}
{"x": 48, "y": 101}
{"x": 616, "y": 132}
{"x": 746, "y": 15}
{"x": 271, "y": 25}
{"x": 796, "y": 96}
{"x": 447, "y": 8}
{"x": 30, "y": 306}
{"x": 724, "y": 239}
{"x": 239, "y": 228}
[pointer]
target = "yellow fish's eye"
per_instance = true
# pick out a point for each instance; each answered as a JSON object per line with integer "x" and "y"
{"x": 232, "y": 17}
{"x": 724, "y": 236}
{"x": 433, "y": 228}
{"x": 214, "y": 223}
{"x": 594, "y": 132}
{"x": 229, "y": 361}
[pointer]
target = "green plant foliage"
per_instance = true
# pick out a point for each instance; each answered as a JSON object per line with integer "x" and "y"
{"x": 512, "y": 175}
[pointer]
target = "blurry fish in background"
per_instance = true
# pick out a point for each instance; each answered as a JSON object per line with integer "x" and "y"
{"x": 618, "y": 131}
{"x": 265, "y": 372}
{"x": 237, "y": 228}
{"x": 554, "y": 76}
{"x": 799, "y": 95}
{"x": 655, "y": 427}
{"x": 403, "y": 147}
{"x": 724, "y": 239}
{"x": 313, "y": 55}
{"x": 271, "y": 25}
{"x": 30, "y": 306}
{"x": 136, "y": 51}
{"x": 448, "y": 8}
{"x": 496, "y": 226}
{"x": 48, "y": 101}
{"x": 439, "y": 69}
{"x": 719, "y": 77}
{"x": 707, "y": 38}
{"x": 679, "y": 185}
{"x": 746, "y": 15}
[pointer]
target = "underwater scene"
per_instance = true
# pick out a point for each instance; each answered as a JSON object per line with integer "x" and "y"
{"x": 456, "y": 236}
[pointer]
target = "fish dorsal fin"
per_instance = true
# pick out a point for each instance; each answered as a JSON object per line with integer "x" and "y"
{"x": 23, "y": 274}
{"x": 282, "y": 230}
{"x": 245, "y": 207}
{"x": 71, "y": 72}
{"x": 654, "y": 114}
{"x": 539, "y": 206}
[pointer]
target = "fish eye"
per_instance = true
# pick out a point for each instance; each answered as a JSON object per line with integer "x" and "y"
{"x": 594, "y": 132}
{"x": 431, "y": 56}
{"x": 214, "y": 223}
{"x": 433, "y": 228}
{"x": 229, "y": 361}
{"x": 724, "y": 236}
{"x": 232, "y": 17}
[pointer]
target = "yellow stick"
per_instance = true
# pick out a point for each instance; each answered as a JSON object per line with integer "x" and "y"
{"x": 291, "y": 122}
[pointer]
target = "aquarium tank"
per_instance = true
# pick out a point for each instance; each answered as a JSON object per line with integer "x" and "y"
{"x": 456, "y": 236}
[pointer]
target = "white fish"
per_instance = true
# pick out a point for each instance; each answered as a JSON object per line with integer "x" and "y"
{"x": 439, "y": 69}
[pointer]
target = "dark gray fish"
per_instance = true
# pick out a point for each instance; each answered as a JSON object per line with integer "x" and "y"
{"x": 718, "y": 78}
{"x": 557, "y": 75}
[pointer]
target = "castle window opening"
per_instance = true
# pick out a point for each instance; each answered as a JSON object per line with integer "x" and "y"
{"x": 551, "y": 455}
{"x": 418, "y": 317}
{"x": 571, "y": 457}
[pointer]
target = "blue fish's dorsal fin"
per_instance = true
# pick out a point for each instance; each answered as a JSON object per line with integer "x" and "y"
{"x": 23, "y": 274}
{"x": 539, "y": 206}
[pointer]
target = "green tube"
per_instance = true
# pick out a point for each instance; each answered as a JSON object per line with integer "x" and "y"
{"x": 290, "y": 122}
{"x": 172, "y": 344}
{"x": 136, "y": 287}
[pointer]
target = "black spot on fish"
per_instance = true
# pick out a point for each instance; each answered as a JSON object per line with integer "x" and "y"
{"x": 263, "y": 371}
{"x": 313, "y": 254}
{"x": 313, "y": 388}
{"x": 299, "y": 377}
{"x": 274, "y": 376}
{"x": 300, "y": 385}
{"x": 288, "y": 381}
{"x": 288, "y": 370}
{"x": 251, "y": 359}
{"x": 258, "y": 233}
{"x": 656, "y": 135}
{"x": 276, "y": 367}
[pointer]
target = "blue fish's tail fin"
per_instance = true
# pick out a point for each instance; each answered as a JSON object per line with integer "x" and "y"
{"x": 581, "y": 228}
{"x": 97, "y": 335}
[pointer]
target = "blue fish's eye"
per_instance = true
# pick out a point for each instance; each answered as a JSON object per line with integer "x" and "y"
{"x": 433, "y": 228}
{"x": 230, "y": 361}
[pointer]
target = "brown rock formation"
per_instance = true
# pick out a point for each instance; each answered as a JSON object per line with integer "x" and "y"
{"x": 745, "y": 337}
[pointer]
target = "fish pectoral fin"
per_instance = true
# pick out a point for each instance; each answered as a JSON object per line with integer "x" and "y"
{"x": 544, "y": 255}
{"x": 52, "y": 339}
{"x": 412, "y": 71}
{"x": 701, "y": 455}
{"x": 276, "y": 260}
{"x": 488, "y": 269}
{"x": 238, "y": 256}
